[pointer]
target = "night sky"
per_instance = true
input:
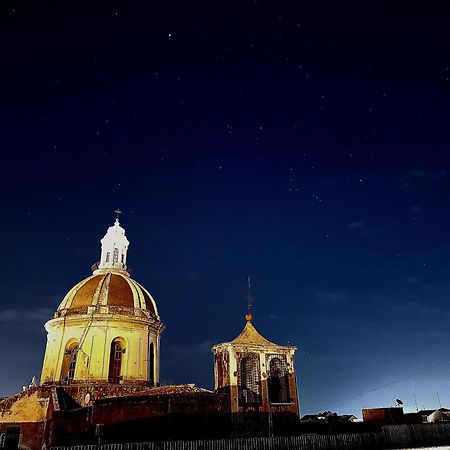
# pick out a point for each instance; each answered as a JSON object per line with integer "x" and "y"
{"x": 306, "y": 144}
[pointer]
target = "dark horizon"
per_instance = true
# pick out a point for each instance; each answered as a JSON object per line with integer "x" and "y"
{"x": 306, "y": 145}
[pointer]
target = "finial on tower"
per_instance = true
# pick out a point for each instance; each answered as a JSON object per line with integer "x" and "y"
{"x": 249, "y": 316}
{"x": 117, "y": 211}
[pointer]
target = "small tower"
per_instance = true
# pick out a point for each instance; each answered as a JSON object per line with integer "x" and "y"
{"x": 258, "y": 376}
{"x": 114, "y": 248}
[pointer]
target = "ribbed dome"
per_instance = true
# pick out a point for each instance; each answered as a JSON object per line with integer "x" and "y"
{"x": 108, "y": 288}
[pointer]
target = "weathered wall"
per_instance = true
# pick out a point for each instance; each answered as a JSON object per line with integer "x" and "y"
{"x": 31, "y": 434}
{"x": 125, "y": 409}
{"x": 387, "y": 416}
{"x": 144, "y": 417}
{"x": 28, "y": 406}
{"x": 71, "y": 427}
{"x": 30, "y": 411}
{"x": 191, "y": 415}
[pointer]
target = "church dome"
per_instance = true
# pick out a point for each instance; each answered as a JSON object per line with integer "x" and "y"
{"x": 107, "y": 328}
{"x": 108, "y": 291}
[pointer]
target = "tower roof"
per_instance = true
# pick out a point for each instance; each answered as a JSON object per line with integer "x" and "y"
{"x": 249, "y": 335}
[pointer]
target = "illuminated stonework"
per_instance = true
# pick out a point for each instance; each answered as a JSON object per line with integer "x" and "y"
{"x": 107, "y": 327}
{"x": 258, "y": 374}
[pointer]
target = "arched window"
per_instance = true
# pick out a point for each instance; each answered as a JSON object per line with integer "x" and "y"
{"x": 115, "y": 361}
{"x": 278, "y": 379}
{"x": 69, "y": 362}
{"x": 249, "y": 380}
{"x": 116, "y": 255}
{"x": 151, "y": 364}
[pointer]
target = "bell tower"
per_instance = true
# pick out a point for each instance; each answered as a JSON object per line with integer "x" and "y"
{"x": 258, "y": 376}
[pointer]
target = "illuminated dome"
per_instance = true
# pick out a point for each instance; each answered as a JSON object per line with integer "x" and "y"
{"x": 108, "y": 291}
{"x": 107, "y": 328}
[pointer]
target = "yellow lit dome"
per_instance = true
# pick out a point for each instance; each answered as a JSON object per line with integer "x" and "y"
{"x": 107, "y": 328}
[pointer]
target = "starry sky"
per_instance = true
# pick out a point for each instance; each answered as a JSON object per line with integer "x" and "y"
{"x": 303, "y": 143}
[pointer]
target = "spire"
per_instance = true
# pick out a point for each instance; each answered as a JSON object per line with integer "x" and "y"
{"x": 248, "y": 316}
{"x": 114, "y": 247}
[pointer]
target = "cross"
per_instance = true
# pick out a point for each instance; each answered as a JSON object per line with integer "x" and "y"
{"x": 249, "y": 316}
{"x": 118, "y": 211}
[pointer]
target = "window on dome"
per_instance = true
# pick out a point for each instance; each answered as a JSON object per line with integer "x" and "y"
{"x": 116, "y": 255}
{"x": 115, "y": 361}
{"x": 108, "y": 255}
{"x": 69, "y": 363}
{"x": 122, "y": 258}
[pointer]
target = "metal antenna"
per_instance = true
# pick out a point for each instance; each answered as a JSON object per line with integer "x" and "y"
{"x": 249, "y": 316}
{"x": 439, "y": 400}
{"x": 414, "y": 394}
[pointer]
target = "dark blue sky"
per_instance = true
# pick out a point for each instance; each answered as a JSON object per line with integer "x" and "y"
{"x": 305, "y": 144}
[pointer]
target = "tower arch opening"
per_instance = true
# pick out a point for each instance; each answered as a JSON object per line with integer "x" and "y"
{"x": 249, "y": 380}
{"x": 278, "y": 379}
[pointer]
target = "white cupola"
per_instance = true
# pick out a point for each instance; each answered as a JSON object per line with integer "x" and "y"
{"x": 114, "y": 248}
